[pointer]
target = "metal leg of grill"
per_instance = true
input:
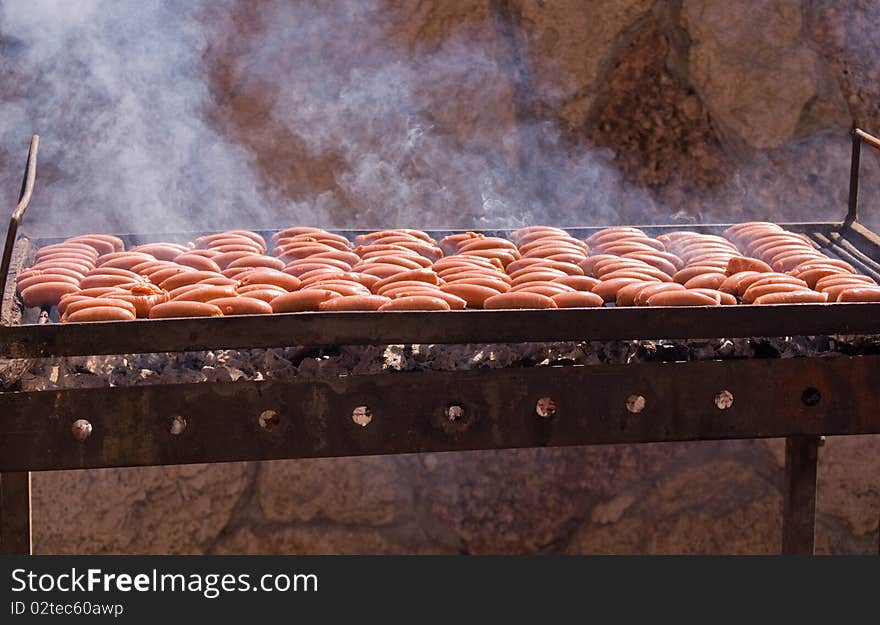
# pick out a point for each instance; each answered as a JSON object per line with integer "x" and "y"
{"x": 15, "y": 513}
{"x": 799, "y": 498}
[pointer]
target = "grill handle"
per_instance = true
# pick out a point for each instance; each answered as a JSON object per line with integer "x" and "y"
{"x": 24, "y": 199}
{"x": 859, "y": 136}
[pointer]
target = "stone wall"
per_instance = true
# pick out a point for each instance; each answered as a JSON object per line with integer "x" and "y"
{"x": 705, "y": 108}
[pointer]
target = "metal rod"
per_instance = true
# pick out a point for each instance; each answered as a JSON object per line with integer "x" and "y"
{"x": 799, "y": 498}
{"x": 24, "y": 200}
{"x": 15, "y": 513}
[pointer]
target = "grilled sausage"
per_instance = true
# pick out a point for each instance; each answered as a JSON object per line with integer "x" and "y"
{"x": 262, "y": 292}
{"x": 100, "y": 313}
{"x": 416, "y": 302}
{"x": 142, "y": 302}
{"x": 738, "y": 264}
{"x": 725, "y": 299}
{"x": 544, "y": 288}
{"x": 354, "y": 302}
{"x": 419, "y": 275}
{"x": 681, "y": 298}
{"x": 300, "y": 301}
{"x": 455, "y": 302}
{"x": 756, "y": 291}
{"x": 242, "y": 306}
{"x": 860, "y": 294}
{"x": 42, "y": 278}
{"x": 197, "y": 261}
{"x": 626, "y": 296}
{"x": 184, "y": 309}
{"x": 607, "y": 289}
{"x": 204, "y": 293}
{"x": 577, "y": 299}
{"x": 91, "y": 302}
{"x": 475, "y": 295}
{"x": 257, "y": 261}
{"x": 518, "y": 300}
{"x": 803, "y": 296}
{"x": 706, "y": 281}
{"x": 55, "y": 271}
{"x": 46, "y": 293}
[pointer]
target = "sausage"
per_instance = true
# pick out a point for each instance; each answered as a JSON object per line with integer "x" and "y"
{"x": 382, "y": 270}
{"x": 635, "y": 273}
{"x": 416, "y": 302}
{"x": 613, "y": 233}
{"x": 639, "y": 243}
{"x": 518, "y": 300}
{"x": 803, "y": 296}
{"x": 56, "y": 271}
{"x": 486, "y": 243}
{"x": 100, "y": 313}
{"x": 322, "y": 236}
{"x": 706, "y": 281}
{"x": 349, "y": 258}
{"x": 492, "y": 283}
{"x": 82, "y": 268}
{"x": 242, "y": 306}
{"x": 257, "y": 261}
{"x": 841, "y": 278}
{"x": 67, "y": 256}
{"x": 756, "y": 291}
{"x": 184, "y": 309}
{"x": 607, "y": 289}
{"x": 551, "y": 249}
{"x": 860, "y": 294}
{"x": 835, "y": 290}
{"x": 46, "y": 293}
{"x": 298, "y": 268}
{"x": 46, "y": 277}
{"x": 224, "y": 258}
{"x": 197, "y": 261}
{"x": 372, "y": 236}
{"x": 204, "y": 293}
{"x": 342, "y": 287}
{"x": 263, "y": 292}
{"x": 627, "y": 295}
{"x": 544, "y": 275}
{"x": 456, "y": 261}
{"x": 182, "y": 278}
{"x": 300, "y": 301}
{"x": 774, "y": 279}
{"x": 579, "y": 283}
{"x": 681, "y": 298}
{"x": 113, "y": 271}
{"x": 117, "y": 243}
{"x": 645, "y": 293}
{"x": 789, "y": 261}
{"x": 455, "y": 274}
{"x": 738, "y": 264}
{"x": 161, "y": 251}
{"x": 295, "y": 230}
{"x": 568, "y": 242}
{"x": 812, "y": 276}
{"x": 475, "y": 295}
{"x": 90, "y": 302}
{"x": 616, "y": 262}
{"x": 567, "y": 257}
{"x": 692, "y": 271}
{"x": 270, "y": 276}
{"x": 540, "y": 265}
{"x": 142, "y": 303}
{"x": 159, "y": 276}
{"x": 527, "y": 230}
{"x": 731, "y": 284}
{"x": 544, "y": 288}
{"x": 725, "y": 299}
{"x": 403, "y": 261}
{"x": 577, "y": 299}
{"x": 455, "y": 302}
{"x": 253, "y": 236}
{"x": 504, "y": 256}
{"x": 99, "y": 245}
{"x": 658, "y": 262}
{"x": 105, "y": 280}
{"x": 67, "y": 248}
{"x": 354, "y": 302}
{"x": 420, "y": 275}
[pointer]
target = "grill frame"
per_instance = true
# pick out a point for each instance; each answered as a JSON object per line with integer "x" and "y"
{"x": 800, "y": 399}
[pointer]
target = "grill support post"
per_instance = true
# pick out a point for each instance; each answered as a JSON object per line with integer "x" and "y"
{"x": 15, "y": 513}
{"x": 799, "y": 495}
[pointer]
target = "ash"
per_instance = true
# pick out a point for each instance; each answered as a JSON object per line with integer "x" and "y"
{"x": 303, "y": 363}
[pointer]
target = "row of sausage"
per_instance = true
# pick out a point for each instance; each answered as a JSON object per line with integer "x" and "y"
{"x": 92, "y": 277}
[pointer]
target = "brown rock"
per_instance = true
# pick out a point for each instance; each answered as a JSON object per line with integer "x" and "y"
{"x": 751, "y": 66}
{"x": 151, "y": 510}
{"x": 367, "y": 491}
{"x": 849, "y": 482}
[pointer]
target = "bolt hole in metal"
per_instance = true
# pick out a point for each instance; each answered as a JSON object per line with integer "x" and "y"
{"x": 362, "y": 415}
{"x": 455, "y": 412}
{"x": 546, "y": 407}
{"x": 81, "y": 429}
{"x": 723, "y": 400}
{"x": 811, "y": 396}
{"x": 176, "y": 425}
{"x": 270, "y": 420}
{"x": 635, "y": 403}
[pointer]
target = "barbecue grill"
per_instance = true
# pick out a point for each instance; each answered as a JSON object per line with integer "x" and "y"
{"x": 675, "y": 399}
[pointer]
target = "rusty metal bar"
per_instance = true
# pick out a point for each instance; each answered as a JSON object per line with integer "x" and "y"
{"x": 451, "y": 327}
{"x": 24, "y": 199}
{"x": 799, "y": 497}
{"x": 15, "y": 513}
{"x": 496, "y": 409}
{"x": 858, "y": 136}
